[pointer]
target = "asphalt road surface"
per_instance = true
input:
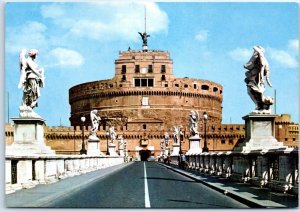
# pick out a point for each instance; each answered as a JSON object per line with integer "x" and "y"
{"x": 145, "y": 185}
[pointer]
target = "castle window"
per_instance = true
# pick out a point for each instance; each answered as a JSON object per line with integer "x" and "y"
{"x": 163, "y": 77}
{"x": 144, "y": 126}
{"x": 176, "y": 85}
{"x": 286, "y": 139}
{"x": 222, "y": 141}
{"x": 230, "y": 141}
{"x": 150, "y": 82}
{"x": 137, "y": 82}
{"x": 294, "y": 139}
{"x": 215, "y": 89}
{"x": 195, "y": 86}
{"x": 144, "y": 82}
{"x": 205, "y": 87}
{"x": 123, "y": 69}
{"x": 166, "y": 85}
{"x": 124, "y": 78}
{"x": 186, "y": 86}
{"x": 137, "y": 68}
{"x": 163, "y": 68}
{"x": 150, "y": 70}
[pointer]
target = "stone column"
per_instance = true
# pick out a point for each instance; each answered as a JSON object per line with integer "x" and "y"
{"x": 194, "y": 145}
{"x": 93, "y": 146}
{"x": 260, "y": 134}
{"x": 176, "y": 148}
{"x": 112, "y": 149}
{"x": 28, "y": 138}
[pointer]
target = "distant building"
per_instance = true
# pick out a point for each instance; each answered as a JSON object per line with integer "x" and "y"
{"x": 144, "y": 100}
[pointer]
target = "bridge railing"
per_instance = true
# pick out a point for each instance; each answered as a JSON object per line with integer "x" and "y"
{"x": 277, "y": 169}
{"x": 28, "y": 171}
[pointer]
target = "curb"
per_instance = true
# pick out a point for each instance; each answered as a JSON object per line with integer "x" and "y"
{"x": 232, "y": 194}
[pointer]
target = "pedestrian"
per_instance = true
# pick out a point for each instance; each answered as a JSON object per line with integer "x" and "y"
{"x": 168, "y": 159}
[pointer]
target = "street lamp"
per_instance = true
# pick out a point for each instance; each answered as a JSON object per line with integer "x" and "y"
{"x": 181, "y": 140}
{"x": 205, "y": 148}
{"x": 83, "y": 150}
{"x": 107, "y": 135}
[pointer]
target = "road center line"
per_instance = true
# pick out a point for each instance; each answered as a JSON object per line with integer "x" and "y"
{"x": 147, "y": 199}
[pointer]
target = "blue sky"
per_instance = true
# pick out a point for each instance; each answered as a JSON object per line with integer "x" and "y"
{"x": 78, "y": 42}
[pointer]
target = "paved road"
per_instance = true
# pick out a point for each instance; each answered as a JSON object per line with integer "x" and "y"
{"x": 145, "y": 185}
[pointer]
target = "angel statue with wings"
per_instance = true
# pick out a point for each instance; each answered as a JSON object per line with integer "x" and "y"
{"x": 95, "y": 119}
{"x": 257, "y": 70}
{"x": 194, "y": 120}
{"x": 31, "y": 79}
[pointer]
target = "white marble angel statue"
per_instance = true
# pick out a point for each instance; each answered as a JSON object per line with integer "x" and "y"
{"x": 193, "y": 122}
{"x": 31, "y": 78}
{"x": 258, "y": 69}
{"x": 166, "y": 138}
{"x": 112, "y": 134}
{"x": 121, "y": 142}
{"x": 177, "y": 133}
{"x": 95, "y": 119}
{"x": 162, "y": 143}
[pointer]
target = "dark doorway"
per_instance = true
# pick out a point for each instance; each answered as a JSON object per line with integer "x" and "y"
{"x": 145, "y": 154}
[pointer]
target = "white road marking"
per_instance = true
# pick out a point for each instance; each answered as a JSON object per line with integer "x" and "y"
{"x": 147, "y": 199}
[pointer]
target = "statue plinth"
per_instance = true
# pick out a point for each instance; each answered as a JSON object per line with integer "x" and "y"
{"x": 28, "y": 138}
{"x": 121, "y": 151}
{"x": 194, "y": 145}
{"x": 93, "y": 146}
{"x": 176, "y": 149}
{"x": 260, "y": 133}
{"x": 112, "y": 149}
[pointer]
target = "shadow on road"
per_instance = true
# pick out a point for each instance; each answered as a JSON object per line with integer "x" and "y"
{"x": 198, "y": 203}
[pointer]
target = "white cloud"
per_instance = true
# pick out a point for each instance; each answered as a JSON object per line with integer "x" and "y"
{"x": 283, "y": 58}
{"x": 202, "y": 36}
{"x": 108, "y": 21}
{"x": 241, "y": 54}
{"x": 294, "y": 45}
{"x": 29, "y": 35}
{"x": 65, "y": 57}
{"x": 52, "y": 11}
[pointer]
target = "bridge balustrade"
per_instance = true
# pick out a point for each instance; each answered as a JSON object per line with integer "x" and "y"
{"x": 277, "y": 169}
{"x": 28, "y": 171}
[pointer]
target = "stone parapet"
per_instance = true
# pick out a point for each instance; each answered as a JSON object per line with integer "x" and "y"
{"x": 28, "y": 171}
{"x": 277, "y": 169}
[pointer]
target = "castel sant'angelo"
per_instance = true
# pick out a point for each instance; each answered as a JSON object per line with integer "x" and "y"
{"x": 143, "y": 102}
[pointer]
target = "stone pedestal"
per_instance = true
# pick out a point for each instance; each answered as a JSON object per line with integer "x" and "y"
{"x": 176, "y": 149}
{"x": 167, "y": 150}
{"x": 260, "y": 134}
{"x": 121, "y": 151}
{"x": 194, "y": 145}
{"x": 28, "y": 138}
{"x": 93, "y": 146}
{"x": 112, "y": 149}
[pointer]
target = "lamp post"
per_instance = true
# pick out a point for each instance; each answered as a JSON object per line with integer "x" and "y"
{"x": 107, "y": 135}
{"x": 83, "y": 150}
{"x": 205, "y": 148}
{"x": 181, "y": 141}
